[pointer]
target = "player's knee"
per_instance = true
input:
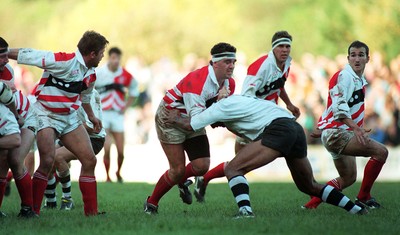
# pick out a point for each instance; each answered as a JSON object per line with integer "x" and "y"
{"x": 176, "y": 173}
{"x": 46, "y": 163}
{"x": 89, "y": 163}
{"x": 201, "y": 167}
{"x": 348, "y": 180}
{"x": 383, "y": 154}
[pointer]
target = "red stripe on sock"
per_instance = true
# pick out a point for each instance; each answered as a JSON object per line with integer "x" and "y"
{"x": 371, "y": 172}
{"x": 216, "y": 172}
{"x": 24, "y": 186}
{"x": 3, "y": 183}
{"x": 163, "y": 185}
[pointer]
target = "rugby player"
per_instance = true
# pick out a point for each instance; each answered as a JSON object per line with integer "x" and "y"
{"x": 265, "y": 79}
{"x": 67, "y": 82}
{"x": 274, "y": 133}
{"x": 190, "y": 97}
{"x": 113, "y": 82}
{"x": 343, "y": 134}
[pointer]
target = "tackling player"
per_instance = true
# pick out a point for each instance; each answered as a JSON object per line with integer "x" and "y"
{"x": 274, "y": 133}
{"x": 66, "y": 83}
{"x": 190, "y": 97}
{"x": 343, "y": 134}
{"x": 113, "y": 81}
{"x": 265, "y": 79}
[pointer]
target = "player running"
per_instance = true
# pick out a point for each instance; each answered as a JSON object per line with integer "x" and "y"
{"x": 190, "y": 97}
{"x": 64, "y": 156}
{"x": 265, "y": 79}
{"x": 342, "y": 129}
{"x": 113, "y": 82}
{"x": 274, "y": 133}
{"x": 66, "y": 84}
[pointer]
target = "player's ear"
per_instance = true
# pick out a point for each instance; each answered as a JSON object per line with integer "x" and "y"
{"x": 93, "y": 54}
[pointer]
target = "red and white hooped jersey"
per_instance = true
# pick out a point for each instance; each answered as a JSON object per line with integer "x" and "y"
{"x": 197, "y": 91}
{"x": 345, "y": 100}
{"x": 66, "y": 81}
{"x": 7, "y": 74}
{"x": 111, "y": 98}
{"x": 8, "y": 123}
{"x": 264, "y": 79}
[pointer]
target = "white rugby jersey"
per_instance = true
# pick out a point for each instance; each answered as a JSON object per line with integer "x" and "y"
{"x": 95, "y": 103}
{"x": 245, "y": 116}
{"x": 345, "y": 99}
{"x": 197, "y": 91}
{"x": 265, "y": 79}
{"x": 8, "y": 123}
{"x": 111, "y": 87}
{"x": 66, "y": 81}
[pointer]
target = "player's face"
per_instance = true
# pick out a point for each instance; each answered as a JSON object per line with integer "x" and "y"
{"x": 358, "y": 59}
{"x": 96, "y": 58}
{"x": 224, "y": 68}
{"x": 281, "y": 53}
{"x": 3, "y": 60}
{"x": 114, "y": 60}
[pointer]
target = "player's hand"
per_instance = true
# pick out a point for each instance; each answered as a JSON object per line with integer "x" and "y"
{"x": 97, "y": 125}
{"x": 21, "y": 121}
{"x": 223, "y": 93}
{"x": 361, "y": 135}
{"x": 295, "y": 111}
{"x": 170, "y": 116}
{"x": 316, "y": 133}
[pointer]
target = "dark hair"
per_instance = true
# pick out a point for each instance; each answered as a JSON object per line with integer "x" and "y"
{"x": 3, "y": 43}
{"x": 115, "y": 50}
{"x": 281, "y": 34}
{"x": 91, "y": 41}
{"x": 222, "y": 47}
{"x": 358, "y": 44}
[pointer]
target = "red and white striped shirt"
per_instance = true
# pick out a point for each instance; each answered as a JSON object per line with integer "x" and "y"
{"x": 264, "y": 79}
{"x": 21, "y": 101}
{"x": 197, "y": 91}
{"x": 345, "y": 100}
{"x": 111, "y": 84}
{"x": 66, "y": 81}
{"x": 8, "y": 123}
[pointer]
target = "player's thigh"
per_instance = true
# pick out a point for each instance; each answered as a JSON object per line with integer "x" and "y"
{"x": 16, "y": 156}
{"x": 197, "y": 149}
{"x": 175, "y": 154}
{"x": 119, "y": 140}
{"x": 45, "y": 142}
{"x": 252, "y": 156}
{"x": 302, "y": 175}
{"x": 78, "y": 142}
{"x": 3, "y": 163}
{"x": 372, "y": 148}
{"x": 239, "y": 144}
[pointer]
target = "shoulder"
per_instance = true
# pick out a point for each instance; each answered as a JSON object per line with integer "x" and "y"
{"x": 8, "y": 73}
{"x": 62, "y": 56}
{"x": 194, "y": 81}
{"x": 126, "y": 74}
{"x": 256, "y": 65}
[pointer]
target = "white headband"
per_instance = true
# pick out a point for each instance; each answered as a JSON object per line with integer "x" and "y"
{"x": 281, "y": 41}
{"x": 222, "y": 56}
{"x": 4, "y": 50}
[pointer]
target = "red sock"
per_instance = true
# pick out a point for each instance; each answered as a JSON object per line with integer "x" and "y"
{"x": 107, "y": 166}
{"x": 39, "y": 184}
{"x": 88, "y": 187}
{"x": 371, "y": 172}
{"x": 316, "y": 201}
{"x": 163, "y": 185}
{"x": 24, "y": 186}
{"x": 216, "y": 172}
{"x": 9, "y": 176}
{"x": 189, "y": 172}
{"x": 3, "y": 184}
{"x": 57, "y": 178}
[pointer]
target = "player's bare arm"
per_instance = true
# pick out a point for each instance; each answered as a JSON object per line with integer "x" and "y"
{"x": 13, "y": 53}
{"x": 289, "y": 105}
{"x": 10, "y": 141}
{"x": 174, "y": 117}
{"x": 97, "y": 125}
{"x": 360, "y": 133}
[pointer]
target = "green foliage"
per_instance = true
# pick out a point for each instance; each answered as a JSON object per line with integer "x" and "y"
{"x": 153, "y": 29}
{"x": 277, "y": 208}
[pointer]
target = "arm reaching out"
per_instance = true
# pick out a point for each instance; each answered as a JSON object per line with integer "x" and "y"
{"x": 291, "y": 107}
{"x": 174, "y": 118}
{"x": 97, "y": 125}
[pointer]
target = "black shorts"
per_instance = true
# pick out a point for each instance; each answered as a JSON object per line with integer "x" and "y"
{"x": 286, "y": 136}
{"x": 97, "y": 144}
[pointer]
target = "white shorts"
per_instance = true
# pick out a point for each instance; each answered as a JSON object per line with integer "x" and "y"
{"x": 62, "y": 124}
{"x": 113, "y": 121}
{"x": 335, "y": 140}
{"x": 31, "y": 121}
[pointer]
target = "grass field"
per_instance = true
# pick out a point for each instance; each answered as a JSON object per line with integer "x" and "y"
{"x": 277, "y": 208}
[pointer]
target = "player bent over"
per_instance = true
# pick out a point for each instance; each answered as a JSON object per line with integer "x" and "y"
{"x": 342, "y": 128}
{"x": 67, "y": 81}
{"x": 64, "y": 156}
{"x": 266, "y": 78}
{"x": 274, "y": 133}
{"x": 190, "y": 97}
{"x": 9, "y": 136}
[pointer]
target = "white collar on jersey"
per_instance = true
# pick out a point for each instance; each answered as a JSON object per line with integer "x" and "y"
{"x": 271, "y": 56}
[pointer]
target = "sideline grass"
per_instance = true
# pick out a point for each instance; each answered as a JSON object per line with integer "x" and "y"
{"x": 277, "y": 208}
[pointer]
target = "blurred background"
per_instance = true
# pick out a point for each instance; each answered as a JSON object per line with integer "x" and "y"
{"x": 163, "y": 40}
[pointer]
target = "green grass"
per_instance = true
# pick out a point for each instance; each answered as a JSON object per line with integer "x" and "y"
{"x": 277, "y": 207}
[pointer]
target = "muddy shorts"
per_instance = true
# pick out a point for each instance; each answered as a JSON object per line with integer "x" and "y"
{"x": 335, "y": 140}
